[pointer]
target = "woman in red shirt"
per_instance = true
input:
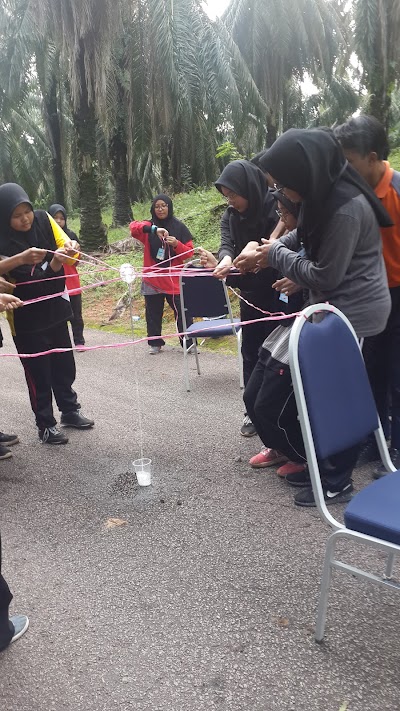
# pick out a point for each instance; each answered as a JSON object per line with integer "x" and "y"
{"x": 167, "y": 244}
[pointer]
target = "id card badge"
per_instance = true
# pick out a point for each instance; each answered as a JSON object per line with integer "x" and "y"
{"x": 283, "y": 297}
{"x": 160, "y": 254}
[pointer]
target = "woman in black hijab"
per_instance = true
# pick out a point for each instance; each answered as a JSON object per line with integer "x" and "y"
{"x": 167, "y": 243}
{"x": 250, "y": 216}
{"x": 44, "y": 325}
{"x": 342, "y": 263}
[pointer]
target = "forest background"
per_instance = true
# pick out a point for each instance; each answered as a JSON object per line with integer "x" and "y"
{"x": 104, "y": 103}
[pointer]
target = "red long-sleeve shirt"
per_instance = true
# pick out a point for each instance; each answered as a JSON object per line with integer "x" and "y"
{"x": 168, "y": 281}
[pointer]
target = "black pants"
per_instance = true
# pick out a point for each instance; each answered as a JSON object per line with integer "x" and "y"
{"x": 77, "y": 320}
{"x": 254, "y": 335}
{"x": 49, "y": 374}
{"x": 382, "y": 360}
{"x": 6, "y": 628}
{"x": 154, "y": 315}
{"x": 271, "y": 405}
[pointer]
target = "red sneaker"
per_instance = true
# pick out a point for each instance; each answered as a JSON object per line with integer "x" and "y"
{"x": 267, "y": 458}
{"x": 290, "y": 468}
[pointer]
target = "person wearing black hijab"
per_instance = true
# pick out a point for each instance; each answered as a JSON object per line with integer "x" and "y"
{"x": 59, "y": 214}
{"x": 167, "y": 243}
{"x": 43, "y": 325}
{"x": 250, "y": 216}
{"x": 342, "y": 264}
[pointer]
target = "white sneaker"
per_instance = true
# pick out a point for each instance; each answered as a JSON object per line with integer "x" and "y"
{"x": 154, "y": 350}
{"x": 20, "y": 624}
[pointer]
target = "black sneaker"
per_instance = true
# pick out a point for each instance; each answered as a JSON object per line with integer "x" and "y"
{"x": 369, "y": 453}
{"x": 306, "y": 497}
{"x": 299, "y": 478}
{"x": 247, "y": 429}
{"x": 75, "y": 419}
{"x": 51, "y": 435}
{"x": 8, "y": 439}
{"x": 5, "y": 453}
{"x": 382, "y": 471}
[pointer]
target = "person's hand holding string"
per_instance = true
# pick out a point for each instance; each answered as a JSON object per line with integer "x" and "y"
{"x": 246, "y": 261}
{"x": 207, "y": 259}
{"x": 286, "y": 286}
{"x": 263, "y": 251}
{"x": 223, "y": 268}
{"x": 9, "y": 302}
{"x": 172, "y": 241}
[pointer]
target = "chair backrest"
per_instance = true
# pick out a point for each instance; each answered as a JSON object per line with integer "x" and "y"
{"x": 327, "y": 366}
{"x": 203, "y": 295}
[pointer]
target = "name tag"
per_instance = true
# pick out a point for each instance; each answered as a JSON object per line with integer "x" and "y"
{"x": 283, "y": 297}
{"x": 160, "y": 254}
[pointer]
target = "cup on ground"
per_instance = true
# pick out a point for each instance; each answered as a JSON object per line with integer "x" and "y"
{"x": 142, "y": 469}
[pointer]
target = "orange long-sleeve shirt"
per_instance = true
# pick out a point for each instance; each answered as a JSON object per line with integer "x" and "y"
{"x": 388, "y": 191}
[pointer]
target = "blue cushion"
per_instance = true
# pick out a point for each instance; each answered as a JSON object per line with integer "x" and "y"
{"x": 375, "y": 510}
{"x": 340, "y": 403}
{"x": 214, "y": 328}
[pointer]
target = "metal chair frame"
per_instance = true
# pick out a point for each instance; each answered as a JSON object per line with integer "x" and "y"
{"x": 212, "y": 332}
{"x": 339, "y": 529}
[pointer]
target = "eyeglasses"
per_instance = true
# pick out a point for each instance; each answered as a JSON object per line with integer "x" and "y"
{"x": 160, "y": 207}
{"x": 230, "y": 197}
{"x": 282, "y": 214}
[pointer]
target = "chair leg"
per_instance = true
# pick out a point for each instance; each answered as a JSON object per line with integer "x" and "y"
{"x": 196, "y": 355}
{"x": 185, "y": 365}
{"x": 240, "y": 361}
{"x": 389, "y": 566}
{"x": 324, "y": 591}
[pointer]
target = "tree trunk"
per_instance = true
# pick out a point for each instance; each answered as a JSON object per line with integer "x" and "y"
{"x": 93, "y": 234}
{"x": 122, "y": 210}
{"x": 52, "y": 124}
{"x": 272, "y": 129}
{"x": 164, "y": 150}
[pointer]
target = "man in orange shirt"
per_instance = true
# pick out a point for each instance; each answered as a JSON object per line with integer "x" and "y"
{"x": 366, "y": 147}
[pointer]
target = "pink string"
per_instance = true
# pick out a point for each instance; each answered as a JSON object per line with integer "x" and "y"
{"x": 215, "y": 326}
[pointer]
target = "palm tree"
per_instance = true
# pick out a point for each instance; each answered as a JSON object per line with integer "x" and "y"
{"x": 377, "y": 39}
{"x": 282, "y": 40}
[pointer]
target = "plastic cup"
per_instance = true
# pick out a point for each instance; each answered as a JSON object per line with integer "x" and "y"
{"x": 142, "y": 469}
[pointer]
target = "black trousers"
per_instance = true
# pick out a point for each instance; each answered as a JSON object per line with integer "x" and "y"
{"x": 382, "y": 360}
{"x": 77, "y": 320}
{"x": 50, "y": 374}
{"x": 154, "y": 314}
{"x": 271, "y": 406}
{"x": 6, "y": 628}
{"x": 253, "y": 335}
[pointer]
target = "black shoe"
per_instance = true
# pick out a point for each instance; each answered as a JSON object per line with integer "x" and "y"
{"x": 382, "y": 471}
{"x": 299, "y": 478}
{"x": 369, "y": 453}
{"x": 306, "y": 497}
{"x": 51, "y": 435}
{"x": 75, "y": 419}
{"x": 7, "y": 439}
{"x": 247, "y": 429}
{"x": 5, "y": 453}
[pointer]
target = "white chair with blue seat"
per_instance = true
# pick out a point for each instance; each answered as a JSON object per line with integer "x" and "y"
{"x": 203, "y": 296}
{"x": 336, "y": 411}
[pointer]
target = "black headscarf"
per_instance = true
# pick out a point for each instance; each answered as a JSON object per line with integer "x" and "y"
{"x": 311, "y": 162}
{"x": 175, "y": 228}
{"x": 53, "y": 209}
{"x": 13, "y": 242}
{"x": 248, "y": 181}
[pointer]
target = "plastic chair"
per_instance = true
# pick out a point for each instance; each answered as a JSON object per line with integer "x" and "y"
{"x": 336, "y": 411}
{"x": 207, "y": 298}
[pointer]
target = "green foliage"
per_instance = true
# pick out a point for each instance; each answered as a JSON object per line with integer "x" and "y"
{"x": 394, "y": 159}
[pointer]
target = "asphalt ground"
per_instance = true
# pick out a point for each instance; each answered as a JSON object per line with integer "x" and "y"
{"x": 204, "y": 597}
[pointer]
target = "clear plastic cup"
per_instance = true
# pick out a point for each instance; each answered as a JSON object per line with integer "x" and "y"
{"x": 142, "y": 469}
